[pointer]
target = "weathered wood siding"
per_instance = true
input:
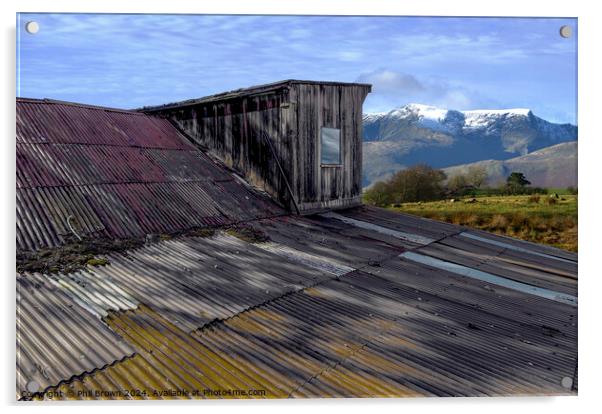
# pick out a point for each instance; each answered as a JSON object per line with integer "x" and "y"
{"x": 239, "y": 129}
{"x": 335, "y": 106}
{"x": 233, "y": 130}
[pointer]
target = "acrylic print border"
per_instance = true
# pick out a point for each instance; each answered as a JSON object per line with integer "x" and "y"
{"x": 227, "y": 143}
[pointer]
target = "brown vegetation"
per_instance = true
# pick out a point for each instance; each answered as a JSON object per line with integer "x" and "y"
{"x": 516, "y": 216}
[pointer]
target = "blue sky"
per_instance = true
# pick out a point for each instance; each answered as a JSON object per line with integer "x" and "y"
{"x": 129, "y": 61}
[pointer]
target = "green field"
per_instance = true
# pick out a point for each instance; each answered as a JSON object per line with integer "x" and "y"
{"x": 524, "y": 217}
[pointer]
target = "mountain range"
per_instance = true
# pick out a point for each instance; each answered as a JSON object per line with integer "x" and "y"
{"x": 444, "y": 138}
{"x": 554, "y": 166}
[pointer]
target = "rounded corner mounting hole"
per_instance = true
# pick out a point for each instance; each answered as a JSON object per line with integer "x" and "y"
{"x": 32, "y": 386}
{"x": 567, "y": 382}
{"x": 566, "y": 31}
{"x": 32, "y": 27}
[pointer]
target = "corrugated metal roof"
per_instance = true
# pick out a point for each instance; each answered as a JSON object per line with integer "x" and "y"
{"x": 406, "y": 223}
{"x": 333, "y": 305}
{"x": 118, "y": 174}
{"x": 393, "y": 328}
{"x": 342, "y": 243}
{"x": 520, "y": 266}
{"x": 56, "y": 339}
{"x": 192, "y": 281}
{"x": 367, "y": 335}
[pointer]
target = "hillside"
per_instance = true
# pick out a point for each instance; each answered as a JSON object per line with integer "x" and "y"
{"x": 555, "y": 166}
{"x": 442, "y": 138}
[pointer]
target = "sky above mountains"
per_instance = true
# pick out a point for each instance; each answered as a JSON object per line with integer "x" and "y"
{"x": 130, "y": 61}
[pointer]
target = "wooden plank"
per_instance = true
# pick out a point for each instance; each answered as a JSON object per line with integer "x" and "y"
{"x": 234, "y": 129}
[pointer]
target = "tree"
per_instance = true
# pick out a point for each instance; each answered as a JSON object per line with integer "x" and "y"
{"x": 477, "y": 176}
{"x": 516, "y": 183}
{"x": 417, "y": 183}
{"x": 458, "y": 184}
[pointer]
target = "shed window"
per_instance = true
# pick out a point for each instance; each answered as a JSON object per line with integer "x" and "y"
{"x": 331, "y": 145}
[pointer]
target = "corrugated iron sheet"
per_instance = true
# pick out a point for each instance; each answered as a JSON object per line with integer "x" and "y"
{"x": 362, "y": 336}
{"x": 529, "y": 249}
{"x": 332, "y": 239}
{"x": 305, "y": 259}
{"x": 97, "y": 293}
{"x": 413, "y": 238}
{"x": 526, "y": 245}
{"x": 286, "y": 326}
{"x": 48, "y": 121}
{"x": 406, "y": 223}
{"x": 491, "y": 278}
{"x": 190, "y": 281}
{"x": 117, "y": 174}
{"x": 51, "y": 165}
{"x": 169, "y": 363}
{"x": 518, "y": 266}
{"x": 56, "y": 339}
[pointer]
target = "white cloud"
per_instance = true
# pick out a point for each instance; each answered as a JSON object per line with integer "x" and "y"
{"x": 391, "y": 89}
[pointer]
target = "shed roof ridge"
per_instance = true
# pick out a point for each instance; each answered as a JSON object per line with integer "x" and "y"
{"x": 108, "y": 183}
{"x": 250, "y": 90}
{"x": 94, "y": 144}
{"x": 79, "y": 105}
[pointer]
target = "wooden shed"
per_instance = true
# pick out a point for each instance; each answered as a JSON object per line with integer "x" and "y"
{"x": 300, "y": 141}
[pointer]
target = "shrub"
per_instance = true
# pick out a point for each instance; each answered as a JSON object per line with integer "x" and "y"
{"x": 538, "y": 224}
{"x": 571, "y": 190}
{"x": 418, "y": 183}
{"x": 379, "y": 194}
{"x": 519, "y": 221}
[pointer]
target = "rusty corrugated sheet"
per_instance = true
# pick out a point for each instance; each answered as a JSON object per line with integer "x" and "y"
{"x": 51, "y": 165}
{"x": 394, "y": 328}
{"x": 170, "y": 363}
{"x": 47, "y": 121}
{"x": 448, "y": 347}
{"x": 117, "y": 174}
{"x": 362, "y": 336}
{"x": 56, "y": 339}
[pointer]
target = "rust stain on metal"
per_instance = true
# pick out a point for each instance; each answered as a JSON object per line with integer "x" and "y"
{"x": 98, "y": 172}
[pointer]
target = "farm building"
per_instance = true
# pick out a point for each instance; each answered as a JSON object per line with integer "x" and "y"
{"x": 300, "y": 141}
{"x": 151, "y": 266}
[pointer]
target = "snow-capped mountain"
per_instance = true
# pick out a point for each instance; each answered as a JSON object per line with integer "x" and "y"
{"x": 417, "y": 133}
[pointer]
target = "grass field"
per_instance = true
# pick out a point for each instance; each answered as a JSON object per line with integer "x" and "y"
{"x": 529, "y": 218}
